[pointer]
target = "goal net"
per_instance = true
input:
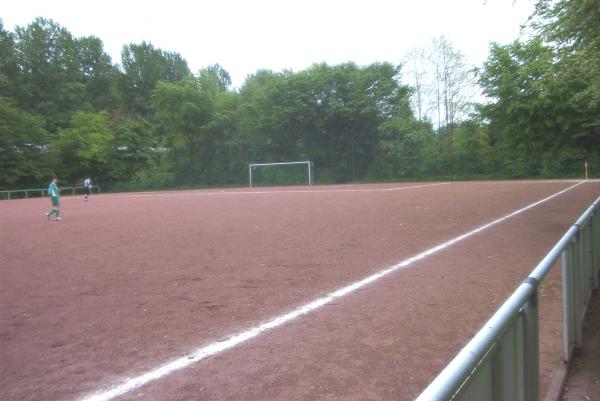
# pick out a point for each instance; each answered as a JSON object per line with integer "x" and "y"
{"x": 278, "y": 174}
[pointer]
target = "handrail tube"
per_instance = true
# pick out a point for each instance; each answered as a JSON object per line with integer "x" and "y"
{"x": 453, "y": 376}
{"x": 544, "y": 266}
{"x": 459, "y": 369}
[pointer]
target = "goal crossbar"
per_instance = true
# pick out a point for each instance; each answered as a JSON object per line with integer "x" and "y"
{"x": 307, "y": 162}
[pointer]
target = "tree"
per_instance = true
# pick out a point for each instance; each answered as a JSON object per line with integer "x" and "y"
{"x": 98, "y": 73}
{"x": 8, "y": 64}
{"x": 255, "y": 122}
{"x": 572, "y": 26}
{"x": 417, "y": 72}
{"x": 23, "y": 142}
{"x": 134, "y": 148}
{"x": 402, "y": 149}
{"x": 84, "y": 148}
{"x": 50, "y": 80}
{"x": 329, "y": 114}
{"x": 442, "y": 84}
{"x": 143, "y": 66}
{"x": 214, "y": 77}
{"x": 185, "y": 113}
{"x": 532, "y": 122}
{"x": 224, "y": 161}
{"x": 473, "y": 154}
{"x": 452, "y": 83}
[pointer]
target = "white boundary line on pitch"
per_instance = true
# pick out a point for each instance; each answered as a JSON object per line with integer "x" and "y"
{"x": 254, "y": 331}
{"x": 212, "y": 192}
{"x": 292, "y": 191}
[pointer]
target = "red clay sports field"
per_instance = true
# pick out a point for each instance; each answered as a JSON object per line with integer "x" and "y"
{"x": 301, "y": 293}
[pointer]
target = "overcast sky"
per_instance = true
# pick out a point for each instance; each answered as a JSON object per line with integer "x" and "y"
{"x": 246, "y": 35}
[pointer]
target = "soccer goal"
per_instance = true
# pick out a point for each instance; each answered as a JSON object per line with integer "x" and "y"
{"x": 285, "y": 173}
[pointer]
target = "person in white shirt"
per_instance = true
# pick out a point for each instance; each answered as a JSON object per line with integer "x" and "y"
{"x": 87, "y": 186}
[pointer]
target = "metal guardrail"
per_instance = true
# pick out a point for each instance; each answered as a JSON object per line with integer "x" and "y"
{"x": 501, "y": 362}
{"x": 42, "y": 192}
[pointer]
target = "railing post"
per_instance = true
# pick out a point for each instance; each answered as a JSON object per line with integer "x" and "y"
{"x": 595, "y": 250}
{"x": 578, "y": 278}
{"x": 566, "y": 265}
{"x": 589, "y": 266}
{"x": 531, "y": 351}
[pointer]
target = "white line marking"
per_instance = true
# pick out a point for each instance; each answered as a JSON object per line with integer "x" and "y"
{"x": 201, "y": 192}
{"x": 304, "y": 191}
{"x": 239, "y": 338}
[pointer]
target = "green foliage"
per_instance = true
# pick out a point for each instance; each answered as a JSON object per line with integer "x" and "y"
{"x": 473, "y": 155}
{"x": 50, "y": 80}
{"x": 214, "y": 78}
{"x": 572, "y": 26}
{"x": 149, "y": 122}
{"x": 134, "y": 148}
{"x": 280, "y": 175}
{"x": 402, "y": 149}
{"x": 535, "y": 120}
{"x": 185, "y": 113}
{"x": 23, "y": 142}
{"x": 156, "y": 175}
{"x": 329, "y": 114}
{"x": 99, "y": 75}
{"x": 83, "y": 149}
{"x": 143, "y": 66}
{"x": 8, "y": 63}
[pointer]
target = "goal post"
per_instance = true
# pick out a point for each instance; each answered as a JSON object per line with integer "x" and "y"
{"x": 308, "y": 164}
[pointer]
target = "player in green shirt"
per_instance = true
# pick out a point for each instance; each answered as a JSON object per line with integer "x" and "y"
{"x": 53, "y": 193}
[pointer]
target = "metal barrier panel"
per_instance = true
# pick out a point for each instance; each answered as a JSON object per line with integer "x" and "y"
{"x": 41, "y": 191}
{"x": 501, "y": 362}
{"x": 481, "y": 385}
{"x": 568, "y": 302}
{"x": 501, "y": 375}
{"x": 504, "y": 374}
{"x": 508, "y": 383}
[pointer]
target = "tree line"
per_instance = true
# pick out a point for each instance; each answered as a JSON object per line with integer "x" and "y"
{"x": 150, "y": 122}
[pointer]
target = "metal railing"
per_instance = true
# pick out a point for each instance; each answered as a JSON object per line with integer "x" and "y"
{"x": 41, "y": 192}
{"x": 501, "y": 362}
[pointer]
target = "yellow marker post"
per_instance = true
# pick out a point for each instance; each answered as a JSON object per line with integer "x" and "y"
{"x": 586, "y": 169}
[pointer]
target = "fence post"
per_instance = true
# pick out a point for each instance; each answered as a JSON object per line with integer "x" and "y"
{"x": 531, "y": 351}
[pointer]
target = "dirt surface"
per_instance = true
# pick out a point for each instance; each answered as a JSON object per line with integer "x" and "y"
{"x": 127, "y": 282}
{"x": 583, "y": 383}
